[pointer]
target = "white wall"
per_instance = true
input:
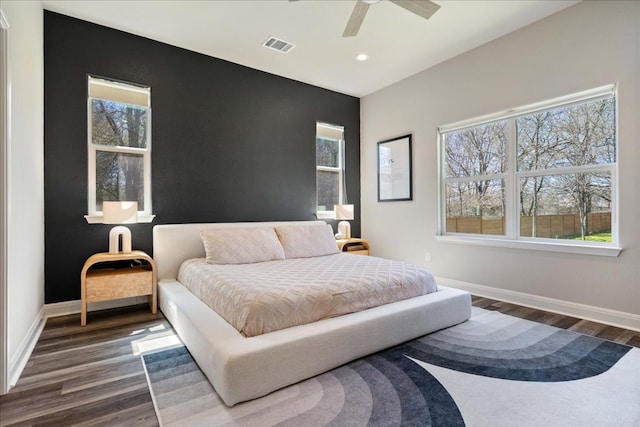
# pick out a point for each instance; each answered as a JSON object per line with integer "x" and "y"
{"x": 26, "y": 176}
{"x": 588, "y": 45}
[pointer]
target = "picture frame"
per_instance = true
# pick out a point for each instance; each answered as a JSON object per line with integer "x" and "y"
{"x": 395, "y": 175}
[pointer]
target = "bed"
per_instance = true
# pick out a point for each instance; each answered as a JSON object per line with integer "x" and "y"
{"x": 242, "y": 368}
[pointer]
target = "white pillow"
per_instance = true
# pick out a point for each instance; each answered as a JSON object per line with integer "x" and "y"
{"x": 241, "y": 245}
{"x": 305, "y": 241}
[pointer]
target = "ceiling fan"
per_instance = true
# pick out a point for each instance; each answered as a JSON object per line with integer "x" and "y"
{"x": 423, "y": 8}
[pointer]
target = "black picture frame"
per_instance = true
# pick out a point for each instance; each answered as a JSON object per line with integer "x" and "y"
{"x": 395, "y": 175}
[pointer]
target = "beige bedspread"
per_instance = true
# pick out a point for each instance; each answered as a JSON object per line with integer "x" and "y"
{"x": 268, "y": 296}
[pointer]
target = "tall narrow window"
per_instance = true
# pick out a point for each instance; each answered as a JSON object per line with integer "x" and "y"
{"x": 329, "y": 168}
{"x": 119, "y": 142}
{"x": 543, "y": 173}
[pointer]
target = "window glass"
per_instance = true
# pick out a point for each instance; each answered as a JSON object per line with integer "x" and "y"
{"x": 475, "y": 207}
{"x": 576, "y": 135}
{"x": 119, "y": 176}
{"x": 567, "y": 206}
{"x": 558, "y": 185}
{"x": 480, "y": 150}
{"x": 118, "y": 124}
{"x": 327, "y": 152}
{"x": 328, "y": 183}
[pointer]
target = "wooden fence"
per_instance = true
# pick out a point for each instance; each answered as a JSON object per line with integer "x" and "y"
{"x": 548, "y": 226}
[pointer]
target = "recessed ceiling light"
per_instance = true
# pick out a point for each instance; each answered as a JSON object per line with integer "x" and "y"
{"x": 362, "y": 57}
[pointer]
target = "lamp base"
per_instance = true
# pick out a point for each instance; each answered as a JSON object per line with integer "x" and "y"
{"x": 344, "y": 229}
{"x": 114, "y": 240}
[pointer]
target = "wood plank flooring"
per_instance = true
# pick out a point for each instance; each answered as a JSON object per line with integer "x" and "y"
{"x": 611, "y": 333}
{"x": 86, "y": 375}
{"x": 90, "y": 376}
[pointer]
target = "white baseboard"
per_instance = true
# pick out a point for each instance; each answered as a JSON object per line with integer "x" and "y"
{"x": 21, "y": 357}
{"x": 73, "y": 307}
{"x": 588, "y": 312}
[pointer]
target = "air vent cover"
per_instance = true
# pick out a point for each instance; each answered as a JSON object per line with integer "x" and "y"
{"x": 278, "y": 44}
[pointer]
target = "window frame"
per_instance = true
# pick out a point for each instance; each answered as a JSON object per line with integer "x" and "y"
{"x": 340, "y": 169}
{"x": 94, "y": 216}
{"x": 511, "y": 177}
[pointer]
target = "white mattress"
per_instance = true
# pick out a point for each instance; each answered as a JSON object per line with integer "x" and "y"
{"x": 268, "y": 296}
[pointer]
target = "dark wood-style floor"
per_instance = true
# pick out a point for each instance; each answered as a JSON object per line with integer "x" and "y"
{"x": 91, "y": 376}
{"x": 86, "y": 375}
{"x": 611, "y": 333}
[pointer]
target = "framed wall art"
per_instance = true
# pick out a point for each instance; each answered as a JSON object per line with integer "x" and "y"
{"x": 394, "y": 169}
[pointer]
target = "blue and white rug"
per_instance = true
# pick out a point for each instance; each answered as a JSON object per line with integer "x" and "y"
{"x": 493, "y": 370}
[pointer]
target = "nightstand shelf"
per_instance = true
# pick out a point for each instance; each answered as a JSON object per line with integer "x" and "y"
{"x": 354, "y": 246}
{"x": 108, "y": 276}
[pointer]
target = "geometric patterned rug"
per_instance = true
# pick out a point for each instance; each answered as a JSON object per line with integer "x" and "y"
{"x": 493, "y": 370}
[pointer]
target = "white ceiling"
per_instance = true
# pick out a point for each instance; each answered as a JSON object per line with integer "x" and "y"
{"x": 398, "y": 42}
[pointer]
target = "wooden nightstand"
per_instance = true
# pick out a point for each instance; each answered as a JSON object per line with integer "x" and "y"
{"x": 115, "y": 276}
{"x": 354, "y": 246}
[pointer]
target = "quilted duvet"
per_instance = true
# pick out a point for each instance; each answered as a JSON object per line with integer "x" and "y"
{"x": 267, "y": 296}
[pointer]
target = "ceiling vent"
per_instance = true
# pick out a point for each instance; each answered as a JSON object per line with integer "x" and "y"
{"x": 277, "y": 44}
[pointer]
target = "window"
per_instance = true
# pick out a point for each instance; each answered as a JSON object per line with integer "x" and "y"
{"x": 119, "y": 146}
{"x": 329, "y": 169}
{"x": 540, "y": 175}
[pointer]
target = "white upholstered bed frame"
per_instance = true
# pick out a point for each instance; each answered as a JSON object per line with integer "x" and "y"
{"x": 246, "y": 368}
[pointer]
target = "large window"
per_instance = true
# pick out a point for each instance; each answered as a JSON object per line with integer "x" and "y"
{"x": 329, "y": 169}
{"x": 119, "y": 146}
{"x": 543, "y": 174}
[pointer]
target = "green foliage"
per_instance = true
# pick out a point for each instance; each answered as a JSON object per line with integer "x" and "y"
{"x": 594, "y": 237}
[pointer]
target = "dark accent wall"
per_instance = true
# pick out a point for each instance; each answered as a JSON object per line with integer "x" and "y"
{"x": 229, "y": 143}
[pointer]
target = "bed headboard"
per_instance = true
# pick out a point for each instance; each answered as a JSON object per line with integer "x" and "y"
{"x": 174, "y": 243}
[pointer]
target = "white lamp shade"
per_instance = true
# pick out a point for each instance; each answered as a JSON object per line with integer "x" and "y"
{"x": 344, "y": 212}
{"x": 119, "y": 212}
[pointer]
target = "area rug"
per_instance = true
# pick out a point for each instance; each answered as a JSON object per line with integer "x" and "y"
{"x": 493, "y": 370}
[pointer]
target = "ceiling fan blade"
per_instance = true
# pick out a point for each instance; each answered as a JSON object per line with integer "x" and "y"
{"x": 422, "y": 8}
{"x": 355, "y": 20}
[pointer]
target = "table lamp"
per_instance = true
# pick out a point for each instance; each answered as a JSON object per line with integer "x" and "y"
{"x": 344, "y": 213}
{"x": 119, "y": 213}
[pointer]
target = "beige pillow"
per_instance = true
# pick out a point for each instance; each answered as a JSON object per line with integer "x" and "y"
{"x": 305, "y": 241}
{"x": 241, "y": 245}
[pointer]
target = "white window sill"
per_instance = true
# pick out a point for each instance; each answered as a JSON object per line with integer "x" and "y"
{"x": 535, "y": 245}
{"x": 97, "y": 219}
